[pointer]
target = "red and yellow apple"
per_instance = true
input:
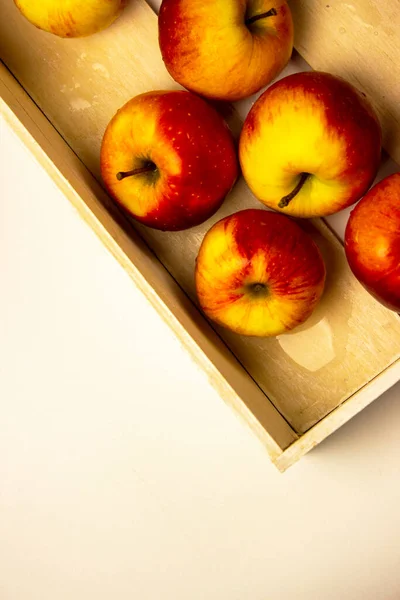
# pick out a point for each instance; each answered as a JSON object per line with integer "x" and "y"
{"x": 169, "y": 159}
{"x": 258, "y": 273}
{"x": 372, "y": 241}
{"x": 71, "y": 18}
{"x": 225, "y": 49}
{"x": 310, "y": 146}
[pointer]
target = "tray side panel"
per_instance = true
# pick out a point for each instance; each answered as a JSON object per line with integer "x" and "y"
{"x": 79, "y": 84}
{"x": 339, "y": 416}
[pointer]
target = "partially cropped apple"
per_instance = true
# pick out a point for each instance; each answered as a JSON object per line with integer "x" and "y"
{"x": 311, "y": 145}
{"x": 225, "y": 49}
{"x": 169, "y": 159}
{"x": 71, "y": 18}
{"x": 258, "y": 273}
{"x": 372, "y": 241}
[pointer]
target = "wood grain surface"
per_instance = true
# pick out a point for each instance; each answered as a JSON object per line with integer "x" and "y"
{"x": 360, "y": 41}
{"x": 79, "y": 85}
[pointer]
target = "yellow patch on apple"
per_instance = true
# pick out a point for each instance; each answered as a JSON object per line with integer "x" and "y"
{"x": 71, "y": 18}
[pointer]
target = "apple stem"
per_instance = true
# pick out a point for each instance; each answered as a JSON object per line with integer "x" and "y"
{"x": 286, "y": 200}
{"x": 123, "y": 174}
{"x": 270, "y": 13}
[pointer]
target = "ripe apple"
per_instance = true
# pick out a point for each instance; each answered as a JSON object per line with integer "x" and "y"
{"x": 225, "y": 49}
{"x": 169, "y": 159}
{"x": 372, "y": 241}
{"x": 71, "y": 18}
{"x": 258, "y": 273}
{"x": 311, "y": 145}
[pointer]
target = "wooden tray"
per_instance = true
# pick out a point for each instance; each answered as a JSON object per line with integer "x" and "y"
{"x": 294, "y": 390}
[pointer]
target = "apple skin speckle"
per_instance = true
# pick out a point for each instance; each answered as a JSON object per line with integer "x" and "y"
{"x": 196, "y": 159}
{"x": 310, "y": 123}
{"x": 372, "y": 241}
{"x": 259, "y": 249}
{"x": 211, "y": 65}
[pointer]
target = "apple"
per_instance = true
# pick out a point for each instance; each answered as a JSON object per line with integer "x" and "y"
{"x": 225, "y": 49}
{"x": 169, "y": 159}
{"x": 258, "y": 273}
{"x": 71, "y": 18}
{"x": 372, "y": 241}
{"x": 311, "y": 145}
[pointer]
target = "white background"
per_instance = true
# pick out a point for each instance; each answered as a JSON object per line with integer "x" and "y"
{"x": 122, "y": 473}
